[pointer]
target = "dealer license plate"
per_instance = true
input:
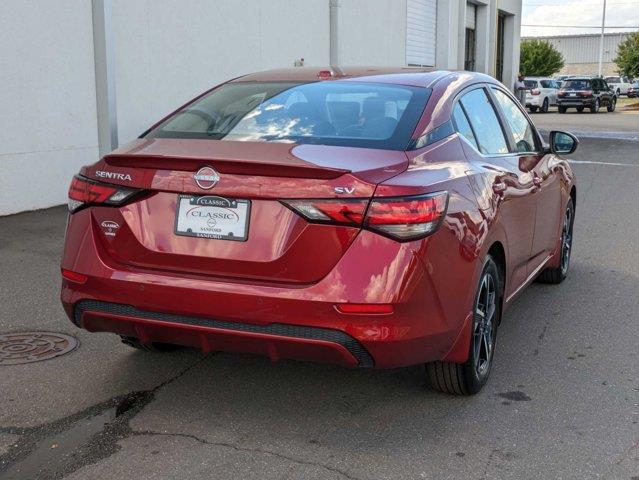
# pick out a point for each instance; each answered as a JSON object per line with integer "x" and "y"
{"x": 212, "y": 217}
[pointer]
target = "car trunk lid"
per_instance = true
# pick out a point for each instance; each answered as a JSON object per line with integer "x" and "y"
{"x": 279, "y": 246}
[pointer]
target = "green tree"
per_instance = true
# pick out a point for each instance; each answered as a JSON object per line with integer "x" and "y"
{"x": 628, "y": 56}
{"x": 539, "y": 59}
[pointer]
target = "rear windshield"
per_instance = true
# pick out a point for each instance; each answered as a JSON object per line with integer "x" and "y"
{"x": 577, "y": 84}
{"x": 613, "y": 80}
{"x": 530, "y": 83}
{"x": 342, "y": 113}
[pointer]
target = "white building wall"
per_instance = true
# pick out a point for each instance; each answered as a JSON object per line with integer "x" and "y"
{"x": 48, "y": 126}
{"x": 512, "y": 33}
{"x": 371, "y": 32}
{"x": 168, "y": 51}
{"x": 451, "y": 30}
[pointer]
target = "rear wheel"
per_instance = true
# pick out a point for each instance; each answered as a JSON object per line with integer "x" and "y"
{"x": 595, "y": 107}
{"x": 544, "y": 106}
{"x": 563, "y": 109}
{"x": 559, "y": 274}
{"x": 470, "y": 377}
{"x": 533, "y": 109}
{"x": 612, "y": 105}
{"x": 148, "y": 347}
{"x": 580, "y": 109}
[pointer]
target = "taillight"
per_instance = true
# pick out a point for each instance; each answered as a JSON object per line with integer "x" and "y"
{"x": 586, "y": 93}
{"x": 407, "y": 218}
{"x": 401, "y": 218}
{"x": 536, "y": 91}
{"x": 343, "y": 212}
{"x": 561, "y": 93}
{"x": 89, "y": 192}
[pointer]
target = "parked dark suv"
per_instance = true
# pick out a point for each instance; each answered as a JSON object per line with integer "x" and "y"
{"x": 581, "y": 93}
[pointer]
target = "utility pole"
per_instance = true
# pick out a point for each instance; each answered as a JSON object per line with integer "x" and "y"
{"x": 601, "y": 41}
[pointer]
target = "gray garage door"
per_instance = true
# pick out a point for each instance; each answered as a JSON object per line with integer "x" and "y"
{"x": 421, "y": 30}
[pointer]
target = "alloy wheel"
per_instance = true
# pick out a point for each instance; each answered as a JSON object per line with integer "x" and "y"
{"x": 484, "y": 325}
{"x": 566, "y": 241}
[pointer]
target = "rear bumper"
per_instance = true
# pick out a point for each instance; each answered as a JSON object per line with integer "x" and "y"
{"x": 297, "y": 321}
{"x": 534, "y": 101}
{"x": 576, "y": 102}
{"x": 276, "y": 340}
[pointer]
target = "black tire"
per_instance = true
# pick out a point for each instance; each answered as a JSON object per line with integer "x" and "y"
{"x": 595, "y": 107}
{"x": 150, "y": 347}
{"x": 580, "y": 109}
{"x": 559, "y": 274}
{"x": 612, "y": 105}
{"x": 561, "y": 109}
{"x": 618, "y": 92}
{"x": 532, "y": 109}
{"x": 544, "y": 106}
{"x": 469, "y": 378}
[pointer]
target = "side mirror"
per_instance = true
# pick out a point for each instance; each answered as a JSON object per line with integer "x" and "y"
{"x": 563, "y": 143}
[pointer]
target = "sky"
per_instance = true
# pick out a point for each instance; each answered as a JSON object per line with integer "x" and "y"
{"x": 577, "y": 12}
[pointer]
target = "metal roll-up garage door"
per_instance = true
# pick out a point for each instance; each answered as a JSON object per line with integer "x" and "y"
{"x": 471, "y": 10}
{"x": 421, "y": 30}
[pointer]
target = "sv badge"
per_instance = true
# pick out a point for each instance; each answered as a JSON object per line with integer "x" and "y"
{"x": 341, "y": 190}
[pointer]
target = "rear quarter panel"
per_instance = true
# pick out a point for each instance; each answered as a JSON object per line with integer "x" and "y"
{"x": 452, "y": 256}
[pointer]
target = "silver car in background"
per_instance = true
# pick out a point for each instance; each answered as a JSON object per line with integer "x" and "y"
{"x": 541, "y": 93}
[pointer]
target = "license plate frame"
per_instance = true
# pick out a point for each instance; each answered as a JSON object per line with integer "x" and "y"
{"x": 210, "y": 226}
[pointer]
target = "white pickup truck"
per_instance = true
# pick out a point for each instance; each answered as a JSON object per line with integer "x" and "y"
{"x": 620, "y": 85}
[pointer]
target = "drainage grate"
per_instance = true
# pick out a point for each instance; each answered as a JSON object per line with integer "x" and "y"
{"x": 27, "y": 347}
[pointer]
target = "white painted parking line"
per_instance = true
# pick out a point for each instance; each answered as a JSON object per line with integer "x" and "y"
{"x": 605, "y": 163}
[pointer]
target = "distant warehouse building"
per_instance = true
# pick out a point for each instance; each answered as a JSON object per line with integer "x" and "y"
{"x": 581, "y": 52}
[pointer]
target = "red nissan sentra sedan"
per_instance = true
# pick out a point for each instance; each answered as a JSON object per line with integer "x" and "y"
{"x": 361, "y": 216}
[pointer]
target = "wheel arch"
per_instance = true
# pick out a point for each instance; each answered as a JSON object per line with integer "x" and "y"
{"x": 498, "y": 253}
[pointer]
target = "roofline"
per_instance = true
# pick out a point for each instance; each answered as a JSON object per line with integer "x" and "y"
{"x": 410, "y": 76}
{"x": 579, "y": 35}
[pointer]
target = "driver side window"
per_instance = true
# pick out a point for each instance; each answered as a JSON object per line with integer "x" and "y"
{"x": 523, "y": 135}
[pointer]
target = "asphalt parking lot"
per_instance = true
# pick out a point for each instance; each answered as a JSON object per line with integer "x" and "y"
{"x": 562, "y": 402}
{"x": 623, "y": 124}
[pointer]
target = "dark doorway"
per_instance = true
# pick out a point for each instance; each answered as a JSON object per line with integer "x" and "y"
{"x": 499, "y": 63}
{"x": 469, "y": 56}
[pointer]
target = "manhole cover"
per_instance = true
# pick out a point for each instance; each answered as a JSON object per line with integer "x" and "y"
{"x": 27, "y": 347}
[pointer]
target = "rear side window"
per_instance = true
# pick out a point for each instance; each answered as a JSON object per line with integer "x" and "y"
{"x": 343, "y": 113}
{"x": 521, "y": 129}
{"x": 462, "y": 125}
{"x": 483, "y": 119}
{"x": 548, "y": 84}
{"x": 530, "y": 83}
